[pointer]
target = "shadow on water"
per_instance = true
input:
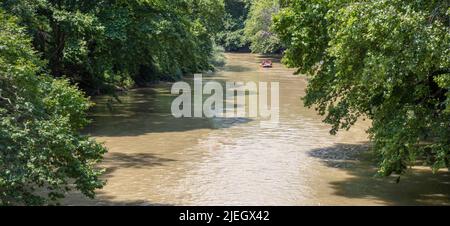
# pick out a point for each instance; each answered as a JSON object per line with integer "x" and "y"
{"x": 109, "y": 200}
{"x": 342, "y": 155}
{"x": 119, "y": 160}
{"x": 273, "y": 58}
{"x": 116, "y": 161}
{"x": 236, "y": 68}
{"x": 419, "y": 186}
{"x": 102, "y": 199}
{"x": 147, "y": 110}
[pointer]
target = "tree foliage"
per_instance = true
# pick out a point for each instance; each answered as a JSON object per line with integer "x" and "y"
{"x": 388, "y": 60}
{"x": 258, "y": 27}
{"x": 99, "y": 46}
{"x": 232, "y": 37}
{"x": 41, "y": 153}
{"x": 103, "y": 44}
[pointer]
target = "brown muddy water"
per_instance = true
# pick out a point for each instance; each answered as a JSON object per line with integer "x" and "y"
{"x": 156, "y": 159}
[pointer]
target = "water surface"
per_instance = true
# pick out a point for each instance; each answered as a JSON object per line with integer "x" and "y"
{"x": 156, "y": 159}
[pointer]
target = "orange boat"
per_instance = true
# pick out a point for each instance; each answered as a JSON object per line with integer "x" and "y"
{"x": 266, "y": 64}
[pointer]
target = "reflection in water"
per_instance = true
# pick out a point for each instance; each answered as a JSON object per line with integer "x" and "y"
{"x": 155, "y": 159}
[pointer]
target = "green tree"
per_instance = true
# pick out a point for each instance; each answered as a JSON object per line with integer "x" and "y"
{"x": 97, "y": 45}
{"x": 42, "y": 155}
{"x": 387, "y": 60}
{"x": 258, "y": 27}
{"x": 104, "y": 44}
{"x": 232, "y": 36}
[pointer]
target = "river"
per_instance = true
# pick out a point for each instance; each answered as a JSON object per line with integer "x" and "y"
{"x": 156, "y": 159}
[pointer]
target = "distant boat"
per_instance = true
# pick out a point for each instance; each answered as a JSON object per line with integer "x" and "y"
{"x": 266, "y": 64}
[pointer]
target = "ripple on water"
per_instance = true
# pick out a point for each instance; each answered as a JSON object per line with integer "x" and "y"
{"x": 155, "y": 159}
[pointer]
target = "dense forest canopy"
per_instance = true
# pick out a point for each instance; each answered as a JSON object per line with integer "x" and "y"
{"x": 40, "y": 118}
{"x": 388, "y": 60}
{"x": 103, "y": 44}
{"x": 231, "y": 37}
{"x": 49, "y": 49}
{"x": 247, "y": 26}
{"x": 258, "y": 27}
